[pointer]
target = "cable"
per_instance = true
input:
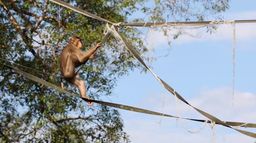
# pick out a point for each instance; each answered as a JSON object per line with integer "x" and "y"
{"x": 171, "y": 90}
{"x": 28, "y": 68}
{"x": 78, "y": 10}
{"x": 150, "y": 24}
{"x": 234, "y": 63}
{"x": 187, "y": 23}
{"x": 117, "y": 105}
{"x": 137, "y": 56}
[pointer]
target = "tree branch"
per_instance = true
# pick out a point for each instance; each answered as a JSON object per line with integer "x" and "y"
{"x": 18, "y": 28}
{"x": 72, "y": 119}
{"x": 19, "y": 10}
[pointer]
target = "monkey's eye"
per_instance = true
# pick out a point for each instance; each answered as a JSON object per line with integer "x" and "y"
{"x": 81, "y": 41}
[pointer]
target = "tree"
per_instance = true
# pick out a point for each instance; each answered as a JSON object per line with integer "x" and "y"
{"x": 34, "y": 33}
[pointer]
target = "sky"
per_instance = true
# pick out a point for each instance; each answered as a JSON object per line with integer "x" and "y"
{"x": 198, "y": 65}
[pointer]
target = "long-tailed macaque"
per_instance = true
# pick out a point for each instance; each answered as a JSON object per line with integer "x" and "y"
{"x": 72, "y": 57}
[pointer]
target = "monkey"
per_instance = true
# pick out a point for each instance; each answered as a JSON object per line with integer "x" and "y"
{"x": 72, "y": 57}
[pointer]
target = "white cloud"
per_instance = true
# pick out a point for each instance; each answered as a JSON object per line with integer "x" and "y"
{"x": 222, "y": 103}
{"x": 155, "y": 38}
{"x": 224, "y": 32}
{"x": 242, "y": 15}
{"x": 217, "y": 102}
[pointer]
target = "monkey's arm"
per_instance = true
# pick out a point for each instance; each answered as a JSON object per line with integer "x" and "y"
{"x": 85, "y": 56}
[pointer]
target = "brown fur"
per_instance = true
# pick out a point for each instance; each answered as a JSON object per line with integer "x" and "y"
{"x": 72, "y": 57}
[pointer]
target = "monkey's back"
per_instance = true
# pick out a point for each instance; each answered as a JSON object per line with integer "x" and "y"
{"x": 67, "y": 64}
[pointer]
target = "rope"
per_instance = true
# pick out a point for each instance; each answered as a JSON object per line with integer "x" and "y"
{"x": 197, "y": 130}
{"x": 234, "y": 63}
{"x": 41, "y": 73}
{"x": 150, "y": 24}
{"x": 171, "y": 90}
{"x": 187, "y": 23}
{"x": 116, "y": 105}
{"x": 137, "y": 56}
{"x": 83, "y": 12}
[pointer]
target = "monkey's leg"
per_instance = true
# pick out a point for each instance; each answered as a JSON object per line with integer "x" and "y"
{"x": 81, "y": 86}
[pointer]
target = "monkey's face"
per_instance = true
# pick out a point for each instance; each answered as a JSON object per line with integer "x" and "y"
{"x": 79, "y": 44}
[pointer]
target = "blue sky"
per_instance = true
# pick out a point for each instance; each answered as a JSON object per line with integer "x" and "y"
{"x": 201, "y": 69}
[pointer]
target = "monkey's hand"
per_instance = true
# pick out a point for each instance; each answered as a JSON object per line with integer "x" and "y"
{"x": 98, "y": 45}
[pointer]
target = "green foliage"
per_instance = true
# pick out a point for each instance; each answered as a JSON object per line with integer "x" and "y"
{"x": 32, "y": 35}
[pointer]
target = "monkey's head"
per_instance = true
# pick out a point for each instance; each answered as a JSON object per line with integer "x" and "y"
{"x": 76, "y": 41}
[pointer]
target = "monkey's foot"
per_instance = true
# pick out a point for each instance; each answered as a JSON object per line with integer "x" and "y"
{"x": 89, "y": 103}
{"x": 62, "y": 85}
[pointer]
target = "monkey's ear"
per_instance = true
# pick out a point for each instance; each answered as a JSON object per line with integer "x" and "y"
{"x": 73, "y": 38}
{"x": 76, "y": 37}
